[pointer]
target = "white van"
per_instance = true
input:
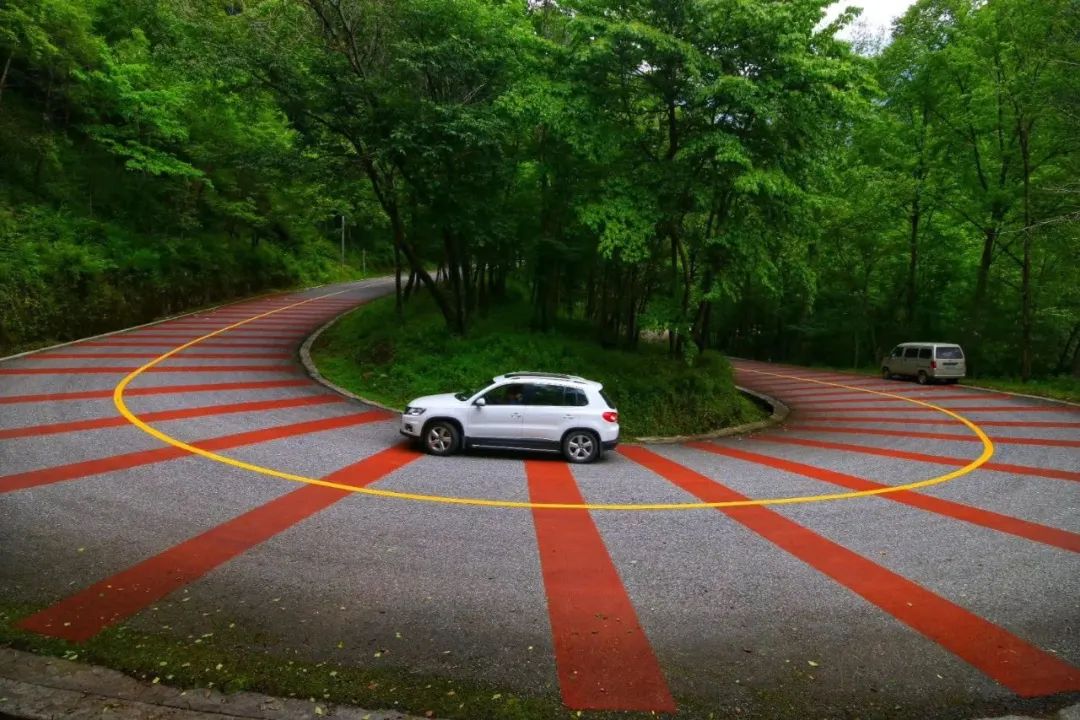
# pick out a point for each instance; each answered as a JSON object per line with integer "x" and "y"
{"x": 926, "y": 362}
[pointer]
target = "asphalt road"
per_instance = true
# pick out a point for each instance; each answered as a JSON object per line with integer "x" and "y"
{"x": 953, "y": 599}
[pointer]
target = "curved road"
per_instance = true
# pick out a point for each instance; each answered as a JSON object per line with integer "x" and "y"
{"x": 952, "y": 600}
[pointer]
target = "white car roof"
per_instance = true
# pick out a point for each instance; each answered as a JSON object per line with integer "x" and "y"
{"x": 544, "y": 377}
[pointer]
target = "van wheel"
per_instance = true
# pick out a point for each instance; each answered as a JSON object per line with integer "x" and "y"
{"x": 441, "y": 438}
{"x": 923, "y": 378}
{"x": 581, "y": 446}
{"x": 885, "y": 374}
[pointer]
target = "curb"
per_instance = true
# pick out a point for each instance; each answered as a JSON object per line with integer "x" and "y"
{"x": 313, "y": 371}
{"x": 780, "y": 411}
{"x": 1023, "y": 395}
{"x": 37, "y": 687}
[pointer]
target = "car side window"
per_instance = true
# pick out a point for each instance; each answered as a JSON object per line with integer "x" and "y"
{"x": 925, "y": 353}
{"x": 547, "y": 395}
{"x": 575, "y": 398}
{"x": 510, "y": 394}
{"x": 911, "y": 352}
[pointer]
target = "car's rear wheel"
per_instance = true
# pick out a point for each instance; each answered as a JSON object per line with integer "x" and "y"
{"x": 441, "y": 437}
{"x": 923, "y": 378}
{"x": 581, "y": 446}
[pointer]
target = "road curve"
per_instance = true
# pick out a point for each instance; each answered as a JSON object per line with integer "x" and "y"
{"x": 950, "y": 600}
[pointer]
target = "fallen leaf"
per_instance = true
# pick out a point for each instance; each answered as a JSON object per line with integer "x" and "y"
{"x": 318, "y": 710}
{"x": 811, "y": 663}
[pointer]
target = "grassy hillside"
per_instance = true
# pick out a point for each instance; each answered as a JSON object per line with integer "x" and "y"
{"x": 374, "y": 355}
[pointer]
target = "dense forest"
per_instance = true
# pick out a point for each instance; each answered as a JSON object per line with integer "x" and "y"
{"x": 725, "y": 174}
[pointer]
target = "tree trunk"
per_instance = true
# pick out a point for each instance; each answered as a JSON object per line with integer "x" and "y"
{"x": 4, "y": 75}
{"x": 1026, "y": 311}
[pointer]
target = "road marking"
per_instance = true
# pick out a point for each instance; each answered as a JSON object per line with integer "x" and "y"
{"x": 83, "y": 615}
{"x": 118, "y": 400}
{"x": 219, "y": 342}
{"x": 958, "y": 511}
{"x": 954, "y": 410}
{"x": 103, "y": 370}
{"x": 603, "y": 658}
{"x": 1048, "y": 442}
{"x": 918, "y": 457}
{"x": 1020, "y": 666}
{"x": 146, "y": 355}
{"x": 917, "y": 421}
{"x": 177, "y": 414}
{"x": 74, "y": 471}
{"x": 158, "y": 390}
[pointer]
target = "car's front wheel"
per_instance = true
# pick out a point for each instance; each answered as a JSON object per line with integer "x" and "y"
{"x": 885, "y": 374}
{"x": 581, "y": 446}
{"x": 441, "y": 437}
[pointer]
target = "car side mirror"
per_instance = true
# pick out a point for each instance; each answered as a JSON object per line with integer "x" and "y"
{"x": 480, "y": 402}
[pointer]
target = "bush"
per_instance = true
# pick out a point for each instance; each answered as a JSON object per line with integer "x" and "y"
{"x": 374, "y": 355}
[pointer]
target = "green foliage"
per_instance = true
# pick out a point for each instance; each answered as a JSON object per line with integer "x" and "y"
{"x": 372, "y": 354}
{"x": 134, "y": 186}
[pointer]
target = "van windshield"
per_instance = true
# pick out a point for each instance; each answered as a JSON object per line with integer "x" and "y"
{"x": 950, "y": 353}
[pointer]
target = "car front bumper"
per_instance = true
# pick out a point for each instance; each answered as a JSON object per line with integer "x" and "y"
{"x": 411, "y": 425}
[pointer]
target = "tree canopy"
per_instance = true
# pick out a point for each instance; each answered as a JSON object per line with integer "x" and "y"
{"x": 727, "y": 174}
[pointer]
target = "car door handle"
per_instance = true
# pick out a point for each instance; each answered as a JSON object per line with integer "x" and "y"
{"x": 569, "y": 417}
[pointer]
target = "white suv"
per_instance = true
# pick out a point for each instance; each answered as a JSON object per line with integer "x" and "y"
{"x": 521, "y": 411}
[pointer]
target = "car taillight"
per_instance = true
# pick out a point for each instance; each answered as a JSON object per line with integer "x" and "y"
{"x": 611, "y": 417}
{"x": 933, "y": 364}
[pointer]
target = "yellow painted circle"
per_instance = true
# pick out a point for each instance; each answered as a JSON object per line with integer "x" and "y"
{"x": 121, "y": 406}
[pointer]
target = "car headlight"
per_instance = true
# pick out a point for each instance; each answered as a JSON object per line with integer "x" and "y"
{"x": 414, "y": 411}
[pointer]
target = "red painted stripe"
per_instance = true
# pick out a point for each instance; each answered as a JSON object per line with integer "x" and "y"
{"x": 178, "y": 414}
{"x": 102, "y": 370}
{"x": 1015, "y": 663}
{"x": 215, "y": 342}
{"x": 878, "y": 398}
{"x": 184, "y": 337}
{"x": 955, "y": 437}
{"x": 83, "y": 615}
{"x": 74, "y": 471}
{"x": 919, "y": 457}
{"x": 965, "y": 408}
{"x": 958, "y": 511}
{"x": 952, "y": 423}
{"x": 162, "y": 390}
{"x": 150, "y": 355}
{"x": 603, "y": 659}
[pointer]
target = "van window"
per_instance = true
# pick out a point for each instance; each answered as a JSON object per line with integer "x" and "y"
{"x": 911, "y": 352}
{"x": 950, "y": 352}
{"x": 897, "y": 351}
{"x": 924, "y": 353}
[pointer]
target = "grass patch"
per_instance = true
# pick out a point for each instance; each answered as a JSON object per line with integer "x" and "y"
{"x": 224, "y": 660}
{"x": 1059, "y": 388}
{"x": 372, "y": 354}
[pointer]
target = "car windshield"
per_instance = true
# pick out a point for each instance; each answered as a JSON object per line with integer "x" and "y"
{"x": 465, "y": 394}
{"x": 950, "y": 353}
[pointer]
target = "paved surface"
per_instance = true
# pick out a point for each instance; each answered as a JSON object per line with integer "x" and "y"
{"x": 958, "y": 599}
{"x": 44, "y": 688}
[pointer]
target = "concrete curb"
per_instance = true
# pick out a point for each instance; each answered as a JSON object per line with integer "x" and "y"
{"x": 1023, "y": 395}
{"x": 780, "y": 411}
{"x": 313, "y": 371}
{"x": 36, "y": 687}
